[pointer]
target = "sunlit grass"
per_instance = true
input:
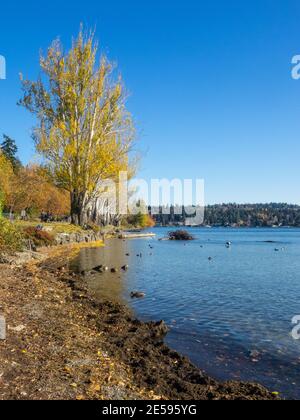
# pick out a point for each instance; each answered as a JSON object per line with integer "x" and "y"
{"x": 53, "y": 227}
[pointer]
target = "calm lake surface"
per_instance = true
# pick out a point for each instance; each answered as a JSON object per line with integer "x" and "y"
{"x": 231, "y": 316}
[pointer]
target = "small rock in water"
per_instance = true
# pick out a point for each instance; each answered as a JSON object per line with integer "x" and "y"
{"x": 159, "y": 329}
{"x": 137, "y": 295}
{"x": 90, "y": 273}
{"x": 93, "y": 273}
{"x": 209, "y": 258}
{"x": 99, "y": 268}
{"x": 125, "y": 267}
{"x": 254, "y": 354}
{"x": 114, "y": 270}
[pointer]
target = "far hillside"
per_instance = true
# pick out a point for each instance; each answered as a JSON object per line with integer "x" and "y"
{"x": 240, "y": 215}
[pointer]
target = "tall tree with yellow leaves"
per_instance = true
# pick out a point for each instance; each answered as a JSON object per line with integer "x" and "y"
{"x": 84, "y": 132}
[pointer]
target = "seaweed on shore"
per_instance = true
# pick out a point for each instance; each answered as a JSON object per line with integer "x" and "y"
{"x": 73, "y": 346}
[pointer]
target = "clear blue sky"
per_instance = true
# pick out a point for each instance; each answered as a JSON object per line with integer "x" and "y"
{"x": 210, "y": 82}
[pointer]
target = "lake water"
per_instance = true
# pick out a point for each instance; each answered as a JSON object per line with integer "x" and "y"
{"x": 232, "y": 316}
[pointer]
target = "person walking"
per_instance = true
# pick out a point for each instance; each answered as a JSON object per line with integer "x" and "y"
{"x": 23, "y": 215}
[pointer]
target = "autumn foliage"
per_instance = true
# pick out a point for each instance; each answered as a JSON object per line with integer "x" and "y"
{"x": 84, "y": 135}
{"x": 84, "y": 131}
{"x": 30, "y": 189}
{"x": 141, "y": 220}
{"x": 38, "y": 236}
{"x": 11, "y": 238}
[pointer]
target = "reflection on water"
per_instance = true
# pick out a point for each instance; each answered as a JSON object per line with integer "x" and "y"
{"x": 231, "y": 315}
{"x": 107, "y": 285}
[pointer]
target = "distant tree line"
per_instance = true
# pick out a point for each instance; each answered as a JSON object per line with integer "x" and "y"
{"x": 244, "y": 215}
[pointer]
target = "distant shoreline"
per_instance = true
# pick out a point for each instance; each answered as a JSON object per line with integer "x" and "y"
{"x": 232, "y": 215}
{"x": 225, "y": 227}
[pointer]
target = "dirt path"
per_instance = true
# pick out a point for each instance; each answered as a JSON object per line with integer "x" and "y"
{"x": 62, "y": 344}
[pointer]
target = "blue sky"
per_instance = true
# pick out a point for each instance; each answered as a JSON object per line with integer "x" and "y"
{"x": 210, "y": 83}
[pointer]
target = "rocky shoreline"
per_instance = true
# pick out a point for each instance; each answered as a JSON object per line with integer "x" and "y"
{"x": 136, "y": 362}
{"x": 80, "y": 237}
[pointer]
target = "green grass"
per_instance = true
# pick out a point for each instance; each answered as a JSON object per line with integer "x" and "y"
{"x": 53, "y": 227}
{"x": 11, "y": 238}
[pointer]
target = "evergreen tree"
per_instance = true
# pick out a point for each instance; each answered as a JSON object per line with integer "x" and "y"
{"x": 10, "y": 150}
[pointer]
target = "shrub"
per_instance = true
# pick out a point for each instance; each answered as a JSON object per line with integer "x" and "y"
{"x": 11, "y": 238}
{"x": 141, "y": 221}
{"x": 38, "y": 236}
{"x": 180, "y": 235}
{"x": 92, "y": 226}
{"x": 149, "y": 221}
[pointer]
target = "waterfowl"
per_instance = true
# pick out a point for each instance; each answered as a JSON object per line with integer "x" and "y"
{"x": 137, "y": 295}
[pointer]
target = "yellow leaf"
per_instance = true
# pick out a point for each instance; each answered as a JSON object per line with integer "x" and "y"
{"x": 95, "y": 388}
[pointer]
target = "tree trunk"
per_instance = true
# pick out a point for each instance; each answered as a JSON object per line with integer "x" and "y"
{"x": 78, "y": 211}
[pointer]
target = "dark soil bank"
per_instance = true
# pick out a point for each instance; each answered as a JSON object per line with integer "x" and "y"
{"x": 63, "y": 344}
{"x": 154, "y": 365}
{"x": 157, "y": 367}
